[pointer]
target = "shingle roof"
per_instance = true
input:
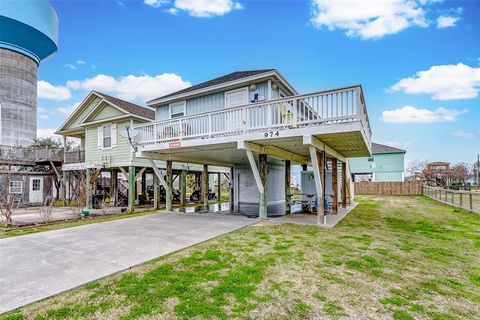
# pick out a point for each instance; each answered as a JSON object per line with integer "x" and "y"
{"x": 381, "y": 148}
{"x": 223, "y": 79}
{"x": 129, "y": 107}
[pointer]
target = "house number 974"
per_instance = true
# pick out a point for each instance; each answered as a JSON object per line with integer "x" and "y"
{"x": 270, "y": 134}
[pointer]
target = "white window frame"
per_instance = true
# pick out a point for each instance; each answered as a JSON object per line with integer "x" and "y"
{"x": 39, "y": 184}
{"x": 14, "y": 189}
{"x": 170, "y": 105}
{"x": 236, "y": 90}
{"x": 103, "y": 136}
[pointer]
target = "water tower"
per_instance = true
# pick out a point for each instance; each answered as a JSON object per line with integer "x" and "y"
{"x": 28, "y": 34}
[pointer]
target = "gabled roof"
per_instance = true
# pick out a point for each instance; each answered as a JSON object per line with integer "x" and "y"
{"x": 382, "y": 148}
{"x": 128, "y": 106}
{"x": 130, "y": 109}
{"x": 227, "y": 79}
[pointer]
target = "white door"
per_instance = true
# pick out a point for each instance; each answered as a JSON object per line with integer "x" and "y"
{"x": 236, "y": 98}
{"x": 36, "y": 190}
{"x": 233, "y": 118}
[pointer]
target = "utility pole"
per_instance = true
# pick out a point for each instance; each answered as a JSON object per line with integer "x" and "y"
{"x": 478, "y": 168}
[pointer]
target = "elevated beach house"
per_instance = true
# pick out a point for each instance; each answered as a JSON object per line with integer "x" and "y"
{"x": 258, "y": 125}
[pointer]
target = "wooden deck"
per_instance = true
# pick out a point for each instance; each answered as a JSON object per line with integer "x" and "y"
{"x": 29, "y": 155}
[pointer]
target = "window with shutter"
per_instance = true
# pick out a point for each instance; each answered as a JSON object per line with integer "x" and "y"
{"x": 107, "y": 136}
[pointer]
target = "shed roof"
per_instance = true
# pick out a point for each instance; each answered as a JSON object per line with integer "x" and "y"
{"x": 382, "y": 148}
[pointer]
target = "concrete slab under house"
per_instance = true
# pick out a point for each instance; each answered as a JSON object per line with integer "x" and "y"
{"x": 257, "y": 125}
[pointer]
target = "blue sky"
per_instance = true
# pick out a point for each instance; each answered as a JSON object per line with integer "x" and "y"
{"x": 418, "y": 60}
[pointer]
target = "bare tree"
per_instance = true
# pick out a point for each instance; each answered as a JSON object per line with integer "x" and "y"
{"x": 46, "y": 209}
{"x": 8, "y": 205}
{"x": 416, "y": 170}
{"x": 104, "y": 207}
{"x": 459, "y": 173}
{"x": 79, "y": 193}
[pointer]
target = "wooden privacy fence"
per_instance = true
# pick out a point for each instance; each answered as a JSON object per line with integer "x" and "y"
{"x": 468, "y": 200}
{"x": 389, "y": 188}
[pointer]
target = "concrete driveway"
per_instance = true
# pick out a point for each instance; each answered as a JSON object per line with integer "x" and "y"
{"x": 36, "y": 266}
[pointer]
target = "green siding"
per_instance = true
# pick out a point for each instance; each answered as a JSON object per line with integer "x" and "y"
{"x": 120, "y": 154}
{"x": 388, "y": 166}
{"x": 388, "y": 176}
{"x": 106, "y": 111}
{"x": 86, "y": 110}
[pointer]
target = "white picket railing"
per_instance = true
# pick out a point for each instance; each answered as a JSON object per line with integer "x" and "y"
{"x": 325, "y": 107}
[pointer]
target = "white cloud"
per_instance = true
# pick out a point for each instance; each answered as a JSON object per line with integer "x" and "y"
{"x": 369, "y": 20}
{"x": 155, "y": 3}
{"x": 133, "y": 88}
{"x": 46, "y": 133}
{"x": 46, "y": 90}
{"x": 81, "y": 62}
{"x": 198, "y": 8}
{"x": 43, "y": 113}
{"x": 443, "y": 82}
{"x": 67, "y": 110}
{"x": 466, "y": 134}
{"x": 446, "y": 21}
{"x": 172, "y": 10}
{"x": 409, "y": 114}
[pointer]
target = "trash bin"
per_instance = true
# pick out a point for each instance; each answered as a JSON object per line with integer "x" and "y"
{"x": 97, "y": 201}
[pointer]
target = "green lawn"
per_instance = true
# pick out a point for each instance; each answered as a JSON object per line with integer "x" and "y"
{"x": 392, "y": 257}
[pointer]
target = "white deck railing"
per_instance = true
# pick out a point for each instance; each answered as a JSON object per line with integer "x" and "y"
{"x": 343, "y": 105}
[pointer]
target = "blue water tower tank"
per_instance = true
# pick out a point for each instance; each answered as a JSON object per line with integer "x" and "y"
{"x": 28, "y": 34}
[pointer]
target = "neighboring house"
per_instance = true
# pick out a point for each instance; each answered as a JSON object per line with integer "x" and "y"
{"x": 256, "y": 123}
{"x": 29, "y": 174}
{"x": 438, "y": 173}
{"x": 385, "y": 164}
{"x": 438, "y": 167}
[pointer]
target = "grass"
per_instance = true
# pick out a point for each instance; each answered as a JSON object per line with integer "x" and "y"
{"x": 392, "y": 257}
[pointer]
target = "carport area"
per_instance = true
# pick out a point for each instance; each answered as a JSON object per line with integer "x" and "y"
{"x": 36, "y": 266}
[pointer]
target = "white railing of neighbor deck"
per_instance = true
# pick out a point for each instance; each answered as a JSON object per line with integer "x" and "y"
{"x": 337, "y": 106}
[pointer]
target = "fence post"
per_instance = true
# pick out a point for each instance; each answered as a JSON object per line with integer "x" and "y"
{"x": 471, "y": 201}
{"x": 461, "y": 200}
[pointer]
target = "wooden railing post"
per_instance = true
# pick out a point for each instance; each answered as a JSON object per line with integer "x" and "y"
{"x": 461, "y": 200}
{"x": 471, "y": 201}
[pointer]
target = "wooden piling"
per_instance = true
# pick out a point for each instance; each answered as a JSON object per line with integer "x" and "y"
{"x": 288, "y": 193}
{"x": 335, "y": 185}
{"x": 169, "y": 191}
{"x": 205, "y": 187}
{"x": 263, "y": 171}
